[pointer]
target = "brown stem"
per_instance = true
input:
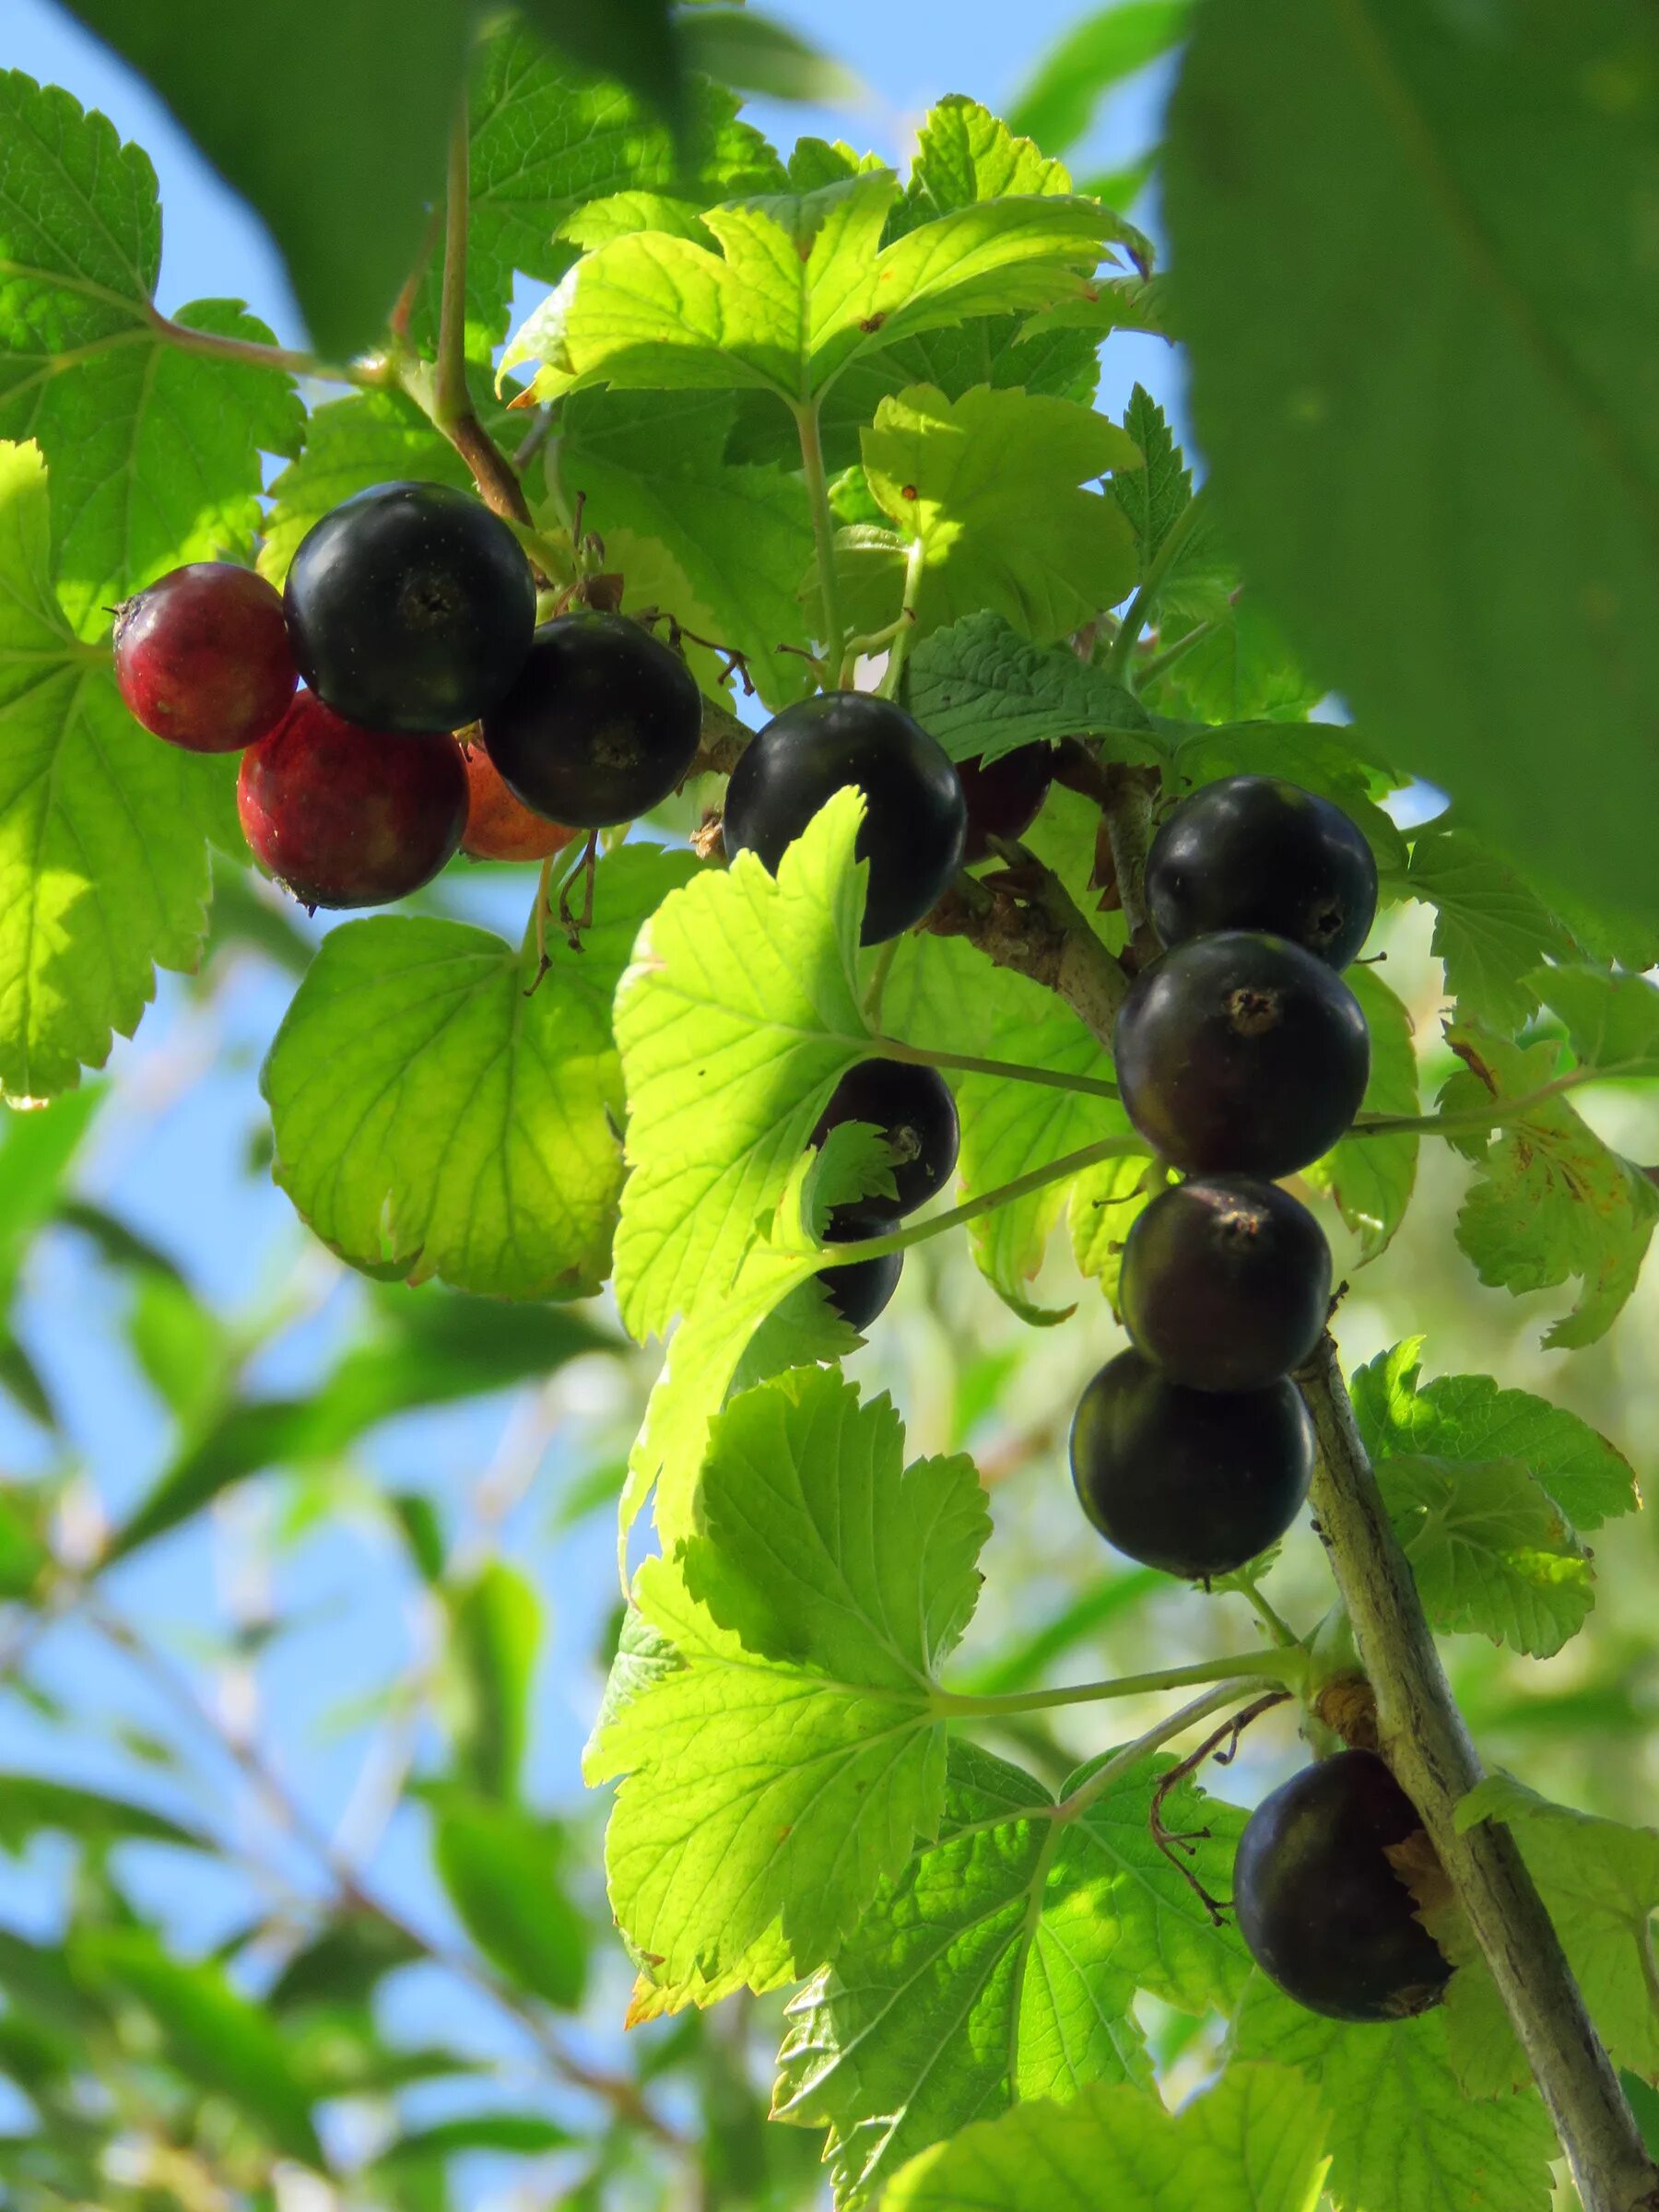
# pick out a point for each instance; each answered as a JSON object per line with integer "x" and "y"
{"x": 1423, "y": 1738}
{"x": 453, "y": 410}
{"x": 1131, "y": 798}
{"x": 1027, "y": 920}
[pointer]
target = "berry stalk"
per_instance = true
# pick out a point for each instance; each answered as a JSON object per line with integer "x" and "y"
{"x": 1426, "y": 1744}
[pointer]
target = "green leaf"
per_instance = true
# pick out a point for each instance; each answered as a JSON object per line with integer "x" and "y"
{"x": 521, "y": 2135}
{"x": 1059, "y": 101}
{"x": 1240, "y": 669}
{"x": 1371, "y": 1178}
{"x": 1552, "y": 1203}
{"x": 155, "y": 451}
{"x": 793, "y": 1760}
{"x": 1401, "y": 2130}
{"x": 636, "y": 42}
{"x": 719, "y": 547}
{"x": 1154, "y": 495}
{"x": 731, "y": 1343}
{"x": 1009, "y": 1128}
{"x": 500, "y": 1867}
{"x": 1600, "y": 1881}
{"x": 434, "y": 1115}
{"x": 738, "y": 1018}
{"x": 29, "y": 1804}
{"x": 1468, "y": 1418}
{"x": 983, "y": 690}
{"x": 103, "y": 869}
{"x": 216, "y": 2038}
{"x": 989, "y": 484}
{"x": 1104, "y": 1202}
{"x": 276, "y": 104}
{"x": 1461, "y": 162}
{"x": 494, "y": 1631}
{"x": 1490, "y": 1550}
{"x": 1255, "y": 2142}
{"x": 800, "y": 289}
{"x": 547, "y": 141}
{"x": 1612, "y": 1020}
{"x": 1491, "y": 930}
{"x": 37, "y": 1151}
{"x": 1004, "y": 1964}
{"x": 737, "y": 46}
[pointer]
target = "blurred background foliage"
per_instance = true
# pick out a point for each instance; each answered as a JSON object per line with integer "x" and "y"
{"x": 307, "y": 1590}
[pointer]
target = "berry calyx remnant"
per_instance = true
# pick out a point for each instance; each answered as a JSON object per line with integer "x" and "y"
{"x": 1242, "y": 1053}
{"x": 1323, "y": 1909}
{"x": 1195, "y": 1482}
{"x": 410, "y": 608}
{"x": 860, "y": 1290}
{"x": 1226, "y": 1283}
{"x": 1003, "y": 798}
{"x": 202, "y": 657}
{"x": 601, "y": 725}
{"x": 348, "y": 817}
{"x": 915, "y": 817}
{"x": 914, "y": 1109}
{"x": 500, "y": 826}
{"x": 1257, "y": 852}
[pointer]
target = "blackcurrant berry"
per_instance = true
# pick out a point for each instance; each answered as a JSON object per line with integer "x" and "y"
{"x": 601, "y": 725}
{"x": 1242, "y": 1053}
{"x": 916, "y": 1112}
{"x": 915, "y": 817}
{"x": 1194, "y": 1481}
{"x": 202, "y": 657}
{"x": 409, "y": 607}
{"x": 1005, "y": 798}
{"x": 349, "y": 817}
{"x": 1256, "y": 852}
{"x": 1226, "y": 1283}
{"x": 1321, "y": 1907}
{"x": 500, "y": 826}
{"x": 860, "y": 1290}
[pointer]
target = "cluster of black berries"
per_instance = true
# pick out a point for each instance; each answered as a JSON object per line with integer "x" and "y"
{"x": 410, "y": 613}
{"x": 1241, "y": 1055}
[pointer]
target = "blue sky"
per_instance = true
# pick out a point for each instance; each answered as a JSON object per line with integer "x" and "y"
{"x": 170, "y": 1152}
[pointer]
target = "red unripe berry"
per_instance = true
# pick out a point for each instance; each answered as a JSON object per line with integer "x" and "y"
{"x": 349, "y": 817}
{"x": 500, "y": 826}
{"x": 202, "y": 657}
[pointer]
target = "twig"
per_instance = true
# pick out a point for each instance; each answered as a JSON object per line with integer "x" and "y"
{"x": 453, "y": 409}
{"x": 1425, "y": 1740}
{"x": 1168, "y": 1839}
{"x": 1026, "y": 920}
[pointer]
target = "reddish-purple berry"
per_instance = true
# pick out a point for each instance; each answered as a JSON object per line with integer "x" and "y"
{"x": 202, "y": 657}
{"x": 350, "y": 817}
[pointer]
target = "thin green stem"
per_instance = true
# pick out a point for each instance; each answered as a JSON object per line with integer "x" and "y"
{"x": 1260, "y": 1671}
{"x": 918, "y": 1232}
{"x": 1134, "y": 621}
{"x": 453, "y": 400}
{"x": 1495, "y": 1116}
{"x": 854, "y": 650}
{"x": 374, "y": 371}
{"x": 877, "y": 983}
{"x": 1007, "y": 1070}
{"x": 805, "y": 413}
{"x": 1101, "y": 1780}
{"x": 1283, "y": 1634}
{"x": 898, "y": 652}
{"x": 1150, "y": 670}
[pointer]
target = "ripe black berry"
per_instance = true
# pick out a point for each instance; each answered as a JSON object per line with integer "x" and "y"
{"x": 1226, "y": 1283}
{"x": 860, "y": 1290}
{"x": 1194, "y": 1481}
{"x": 1005, "y": 798}
{"x": 409, "y": 607}
{"x": 1323, "y": 1912}
{"x": 916, "y": 1112}
{"x": 915, "y": 817}
{"x": 601, "y": 725}
{"x": 349, "y": 817}
{"x": 1242, "y": 1053}
{"x": 202, "y": 657}
{"x": 1256, "y": 852}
